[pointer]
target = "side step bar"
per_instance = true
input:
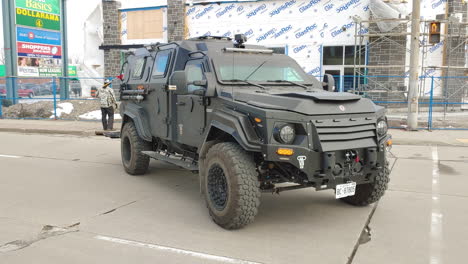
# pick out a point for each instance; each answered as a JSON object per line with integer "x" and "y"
{"x": 186, "y": 164}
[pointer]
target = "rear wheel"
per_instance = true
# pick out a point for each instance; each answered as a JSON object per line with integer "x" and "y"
{"x": 134, "y": 162}
{"x": 230, "y": 185}
{"x": 371, "y": 192}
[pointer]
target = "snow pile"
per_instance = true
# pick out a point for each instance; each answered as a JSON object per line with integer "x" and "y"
{"x": 96, "y": 115}
{"x": 63, "y": 108}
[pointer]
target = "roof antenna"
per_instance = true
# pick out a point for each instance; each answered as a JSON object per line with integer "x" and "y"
{"x": 240, "y": 40}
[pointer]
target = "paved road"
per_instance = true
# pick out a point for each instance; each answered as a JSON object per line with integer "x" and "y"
{"x": 66, "y": 199}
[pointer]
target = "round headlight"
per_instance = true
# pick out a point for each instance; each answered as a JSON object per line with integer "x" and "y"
{"x": 382, "y": 127}
{"x": 285, "y": 134}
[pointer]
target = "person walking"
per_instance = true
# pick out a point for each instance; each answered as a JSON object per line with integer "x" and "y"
{"x": 108, "y": 105}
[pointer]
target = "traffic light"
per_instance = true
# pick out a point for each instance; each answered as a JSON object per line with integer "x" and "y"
{"x": 434, "y": 32}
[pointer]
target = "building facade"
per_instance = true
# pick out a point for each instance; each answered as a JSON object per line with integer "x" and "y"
{"x": 345, "y": 38}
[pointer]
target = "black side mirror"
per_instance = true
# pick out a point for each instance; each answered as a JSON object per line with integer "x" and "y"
{"x": 178, "y": 83}
{"x": 328, "y": 83}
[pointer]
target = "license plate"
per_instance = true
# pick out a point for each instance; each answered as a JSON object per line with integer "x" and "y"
{"x": 345, "y": 190}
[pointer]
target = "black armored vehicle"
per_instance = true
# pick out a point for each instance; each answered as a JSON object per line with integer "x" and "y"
{"x": 248, "y": 121}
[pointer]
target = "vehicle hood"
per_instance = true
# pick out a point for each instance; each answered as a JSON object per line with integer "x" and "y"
{"x": 308, "y": 102}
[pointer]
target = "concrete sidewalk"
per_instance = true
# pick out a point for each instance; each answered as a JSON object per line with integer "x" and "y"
{"x": 83, "y": 128}
{"x": 78, "y": 128}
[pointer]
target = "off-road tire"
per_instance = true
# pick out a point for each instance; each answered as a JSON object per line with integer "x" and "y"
{"x": 371, "y": 192}
{"x": 241, "y": 182}
{"x": 134, "y": 162}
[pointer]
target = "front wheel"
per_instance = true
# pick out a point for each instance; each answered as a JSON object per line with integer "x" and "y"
{"x": 230, "y": 185}
{"x": 134, "y": 162}
{"x": 370, "y": 192}
{"x": 30, "y": 95}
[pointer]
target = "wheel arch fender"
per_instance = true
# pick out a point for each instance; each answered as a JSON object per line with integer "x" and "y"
{"x": 231, "y": 126}
{"x": 138, "y": 116}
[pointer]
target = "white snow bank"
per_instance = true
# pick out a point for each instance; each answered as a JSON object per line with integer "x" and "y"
{"x": 96, "y": 115}
{"x": 63, "y": 108}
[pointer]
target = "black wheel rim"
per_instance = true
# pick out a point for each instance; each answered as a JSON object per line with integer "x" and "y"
{"x": 127, "y": 153}
{"x": 217, "y": 187}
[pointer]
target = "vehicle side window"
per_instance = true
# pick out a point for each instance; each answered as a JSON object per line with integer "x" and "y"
{"x": 194, "y": 71}
{"x": 161, "y": 62}
{"x": 123, "y": 70}
{"x": 139, "y": 67}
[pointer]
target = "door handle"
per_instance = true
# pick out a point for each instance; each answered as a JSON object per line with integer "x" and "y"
{"x": 180, "y": 103}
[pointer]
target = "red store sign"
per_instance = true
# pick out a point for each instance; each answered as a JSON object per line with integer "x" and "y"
{"x": 34, "y": 50}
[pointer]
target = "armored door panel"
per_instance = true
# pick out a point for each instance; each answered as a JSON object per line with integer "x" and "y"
{"x": 190, "y": 119}
{"x": 159, "y": 99}
{"x": 159, "y": 124}
{"x": 191, "y": 107}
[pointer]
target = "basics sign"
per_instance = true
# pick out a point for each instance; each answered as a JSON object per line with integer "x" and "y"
{"x": 48, "y": 6}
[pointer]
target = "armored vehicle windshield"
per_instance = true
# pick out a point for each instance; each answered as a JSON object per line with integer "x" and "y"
{"x": 261, "y": 68}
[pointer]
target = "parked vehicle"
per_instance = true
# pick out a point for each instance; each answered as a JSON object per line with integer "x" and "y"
{"x": 2, "y": 91}
{"x": 247, "y": 120}
{"x": 22, "y": 92}
{"x": 39, "y": 89}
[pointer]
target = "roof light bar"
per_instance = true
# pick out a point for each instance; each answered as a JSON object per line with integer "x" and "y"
{"x": 265, "y": 51}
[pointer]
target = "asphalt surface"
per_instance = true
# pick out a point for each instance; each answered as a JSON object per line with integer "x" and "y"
{"x": 66, "y": 199}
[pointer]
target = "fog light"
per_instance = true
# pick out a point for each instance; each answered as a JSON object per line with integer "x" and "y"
{"x": 389, "y": 144}
{"x": 285, "y": 152}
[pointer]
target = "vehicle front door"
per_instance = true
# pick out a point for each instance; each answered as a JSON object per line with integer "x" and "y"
{"x": 191, "y": 115}
{"x": 159, "y": 102}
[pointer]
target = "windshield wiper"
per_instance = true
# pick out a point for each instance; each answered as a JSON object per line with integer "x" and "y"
{"x": 250, "y": 75}
{"x": 247, "y": 82}
{"x": 294, "y": 83}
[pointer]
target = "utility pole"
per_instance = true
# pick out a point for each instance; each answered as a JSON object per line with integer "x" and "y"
{"x": 9, "y": 40}
{"x": 413, "y": 92}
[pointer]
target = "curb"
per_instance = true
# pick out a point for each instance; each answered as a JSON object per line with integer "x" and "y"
{"x": 49, "y": 131}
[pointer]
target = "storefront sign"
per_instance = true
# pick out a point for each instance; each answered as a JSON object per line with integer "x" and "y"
{"x": 33, "y": 50}
{"x": 37, "y": 19}
{"x": 72, "y": 70}
{"x": 28, "y": 71}
{"x": 2, "y": 70}
{"x": 38, "y": 36}
{"x": 48, "y": 6}
{"x": 50, "y": 71}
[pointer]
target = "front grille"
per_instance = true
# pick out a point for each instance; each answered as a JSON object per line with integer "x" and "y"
{"x": 346, "y": 133}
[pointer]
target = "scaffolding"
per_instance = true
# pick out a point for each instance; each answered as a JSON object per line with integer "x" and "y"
{"x": 368, "y": 35}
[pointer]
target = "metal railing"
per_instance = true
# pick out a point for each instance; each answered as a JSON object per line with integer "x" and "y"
{"x": 443, "y": 101}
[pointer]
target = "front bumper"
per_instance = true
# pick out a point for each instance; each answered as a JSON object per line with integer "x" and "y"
{"x": 325, "y": 170}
